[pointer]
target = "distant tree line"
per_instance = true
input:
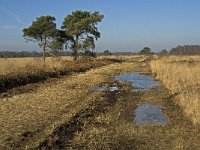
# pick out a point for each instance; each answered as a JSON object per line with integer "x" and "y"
{"x": 186, "y": 50}
{"x": 179, "y": 50}
{"x": 19, "y": 54}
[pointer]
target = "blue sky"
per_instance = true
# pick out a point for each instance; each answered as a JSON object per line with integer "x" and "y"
{"x": 129, "y": 25}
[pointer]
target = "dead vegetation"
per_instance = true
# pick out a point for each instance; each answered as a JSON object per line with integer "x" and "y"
{"x": 9, "y": 65}
{"x": 65, "y": 114}
{"x": 108, "y": 123}
{"x": 33, "y": 71}
{"x": 181, "y": 75}
{"x": 27, "y": 119}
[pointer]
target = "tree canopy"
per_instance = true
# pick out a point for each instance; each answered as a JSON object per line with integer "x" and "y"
{"x": 79, "y": 32}
{"x": 81, "y": 27}
{"x": 107, "y": 52}
{"x": 42, "y": 31}
{"x": 163, "y": 52}
{"x": 145, "y": 51}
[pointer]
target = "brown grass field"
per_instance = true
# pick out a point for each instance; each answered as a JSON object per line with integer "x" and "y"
{"x": 8, "y": 65}
{"x": 181, "y": 75}
{"x": 21, "y": 71}
{"x": 63, "y": 113}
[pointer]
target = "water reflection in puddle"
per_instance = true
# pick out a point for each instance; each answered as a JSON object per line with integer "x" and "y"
{"x": 111, "y": 88}
{"x": 139, "y": 82}
{"x": 149, "y": 114}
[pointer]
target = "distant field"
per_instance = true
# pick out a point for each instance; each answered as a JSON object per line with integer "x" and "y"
{"x": 8, "y": 65}
{"x": 20, "y": 71}
{"x": 181, "y": 75}
{"x": 15, "y": 64}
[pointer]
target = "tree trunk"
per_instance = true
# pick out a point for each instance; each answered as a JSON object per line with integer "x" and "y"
{"x": 76, "y": 49}
{"x": 75, "y": 54}
{"x": 44, "y": 51}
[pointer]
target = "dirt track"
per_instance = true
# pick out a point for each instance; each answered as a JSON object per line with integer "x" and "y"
{"x": 66, "y": 114}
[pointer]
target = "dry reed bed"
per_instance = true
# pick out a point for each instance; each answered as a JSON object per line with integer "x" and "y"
{"x": 181, "y": 75}
{"x": 32, "y": 71}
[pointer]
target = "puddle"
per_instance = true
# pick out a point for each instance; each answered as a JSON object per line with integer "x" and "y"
{"x": 139, "y": 82}
{"x": 111, "y": 88}
{"x": 149, "y": 114}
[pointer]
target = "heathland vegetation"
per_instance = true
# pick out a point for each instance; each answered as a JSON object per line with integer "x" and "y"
{"x": 21, "y": 71}
{"x": 65, "y": 113}
{"x": 181, "y": 75}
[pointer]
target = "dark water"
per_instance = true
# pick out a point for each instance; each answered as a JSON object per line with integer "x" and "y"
{"x": 111, "y": 88}
{"x": 139, "y": 82}
{"x": 149, "y": 114}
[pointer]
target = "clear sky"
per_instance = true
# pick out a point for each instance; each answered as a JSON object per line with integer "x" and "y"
{"x": 129, "y": 25}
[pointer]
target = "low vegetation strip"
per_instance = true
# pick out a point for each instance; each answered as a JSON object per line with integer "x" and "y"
{"x": 180, "y": 74}
{"x": 35, "y": 73}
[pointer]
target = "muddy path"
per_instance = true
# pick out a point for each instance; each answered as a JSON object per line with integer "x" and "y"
{"x": 98, "y": 110}
{"x": 111, "y": 121}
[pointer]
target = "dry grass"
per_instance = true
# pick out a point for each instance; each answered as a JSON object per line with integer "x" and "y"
{"x": 181, "y": 75}
{"x": 21, "y": 71}
{"x": 98, "y": 120}
{"x": 8, "y": 65}
{"x": 38, "y": 113}
{"x": 123, "y": 57}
